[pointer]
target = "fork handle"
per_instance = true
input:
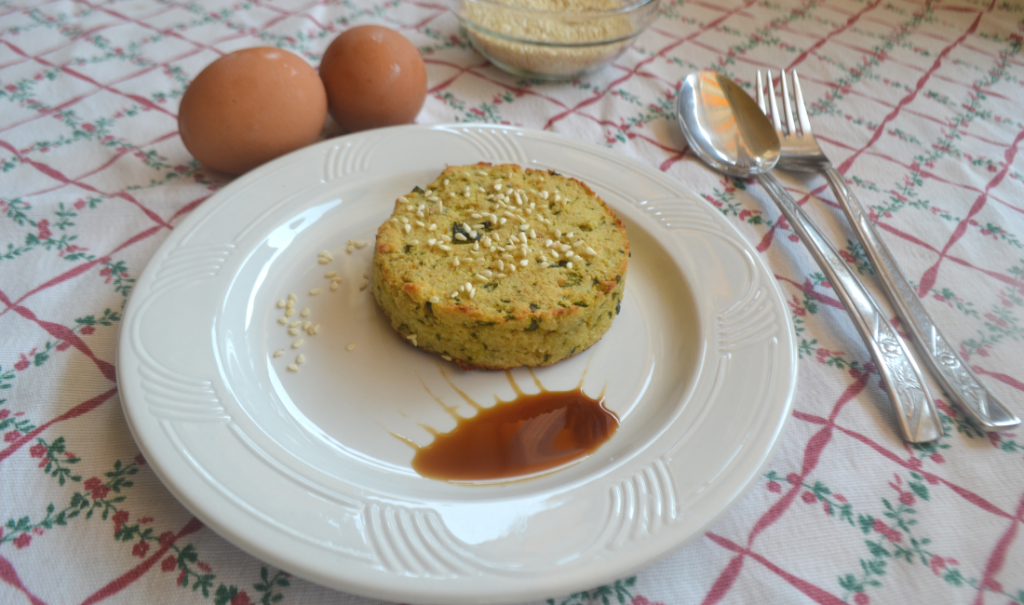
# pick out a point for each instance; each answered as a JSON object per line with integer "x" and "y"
{"x": 915, "y": 409}
{"x": 951, "y": 371}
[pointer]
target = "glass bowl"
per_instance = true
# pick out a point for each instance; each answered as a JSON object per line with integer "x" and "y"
{"x": 553, "y": 39}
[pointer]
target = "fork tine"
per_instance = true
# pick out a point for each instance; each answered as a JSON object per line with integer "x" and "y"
{"x": 790, "y": 126}
{"x": 772, "y": 103}
{"x": 805, "y": 124}
{"x": 760, "y": 94}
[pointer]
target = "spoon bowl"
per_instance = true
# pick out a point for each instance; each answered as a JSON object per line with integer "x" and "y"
{"x": 724, "y": 126}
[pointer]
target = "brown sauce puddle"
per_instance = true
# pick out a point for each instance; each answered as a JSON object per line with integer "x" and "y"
{"x": 530, "y": 434}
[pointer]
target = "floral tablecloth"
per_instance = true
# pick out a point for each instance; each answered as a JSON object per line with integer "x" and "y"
{"x": 917, "y": 102}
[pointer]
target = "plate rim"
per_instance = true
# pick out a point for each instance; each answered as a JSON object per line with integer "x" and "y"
{"x": 265, "y": 551}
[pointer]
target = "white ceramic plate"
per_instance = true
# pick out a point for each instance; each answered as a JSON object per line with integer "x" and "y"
{"x": 302, "y": 469}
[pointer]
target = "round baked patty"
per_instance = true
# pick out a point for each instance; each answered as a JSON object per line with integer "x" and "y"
{"x": 497, "y": 267}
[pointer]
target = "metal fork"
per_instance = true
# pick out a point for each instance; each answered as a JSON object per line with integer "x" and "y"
{"x": 801, "y": 152}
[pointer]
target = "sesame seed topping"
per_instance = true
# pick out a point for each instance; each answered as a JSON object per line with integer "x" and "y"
{"x": 433, "y": 300}
{"x": 446, "y": 357}
{"x": 420, "y": 224}
{"x": 460, "y": 237}
{"x": 524, "y": 262}
{"x": 432, "y": 227}
{"x": 414, "y": 242}
{"x": 445, "y": 248}
{"x": 407, "y": 227}
{"x": 497, "y": 186}
{"x": 589, "y": 251}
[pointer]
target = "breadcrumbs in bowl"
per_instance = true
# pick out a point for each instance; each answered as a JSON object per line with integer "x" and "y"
{"x": 553, "y": 39}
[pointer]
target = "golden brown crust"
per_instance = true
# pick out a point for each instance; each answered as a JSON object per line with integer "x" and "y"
{"x": 497, "y": 267}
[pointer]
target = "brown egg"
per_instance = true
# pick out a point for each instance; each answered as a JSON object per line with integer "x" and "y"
{"x": 374, "y": 77}
{"x": 251, "y": 106}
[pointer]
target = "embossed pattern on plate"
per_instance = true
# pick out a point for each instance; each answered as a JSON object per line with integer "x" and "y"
{"x": 328, "y": 492}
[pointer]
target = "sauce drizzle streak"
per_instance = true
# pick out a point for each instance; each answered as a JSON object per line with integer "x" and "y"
{"x": 530, "y": 434}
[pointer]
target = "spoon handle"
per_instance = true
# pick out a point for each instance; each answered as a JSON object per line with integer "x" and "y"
{"x": 952, "y": 372}
{"x": 915, "y": 409}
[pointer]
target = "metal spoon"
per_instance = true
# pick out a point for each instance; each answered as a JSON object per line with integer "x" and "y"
{"x": 727, "y": 130}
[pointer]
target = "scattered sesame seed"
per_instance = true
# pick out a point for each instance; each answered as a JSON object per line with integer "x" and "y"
{"x": 350, "y": 346}
{"x": 294, "y": 331}
{"x": 282, "y": 320}
{"x": 446, "y": 357}
{"x": 292, "y": 297}
{"x": 289, "y": 312}
{"x": 281, "y": 304}
{"x": 334, "y": 286}
{"x": 330, "y": 274}
{"x": 314, "y": 291}
{"x": 293, "y": 368}
{"x": 362, "y": 286}
{"x": 298, "y": 343}
{"x": 305, "y": 311}
{"x": 316, "y": 329}
{"x": 278, "y": 352}
{"x": 301, "y": 359}
{"x": 297, "y": 322}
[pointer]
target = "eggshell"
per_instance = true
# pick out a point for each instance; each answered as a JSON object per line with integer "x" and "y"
{"x": 374, "y": 77}
{"x": 251, "y": 106}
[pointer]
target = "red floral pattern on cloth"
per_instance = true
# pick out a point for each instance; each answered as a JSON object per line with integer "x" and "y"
{"x": 917, "y": 102}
